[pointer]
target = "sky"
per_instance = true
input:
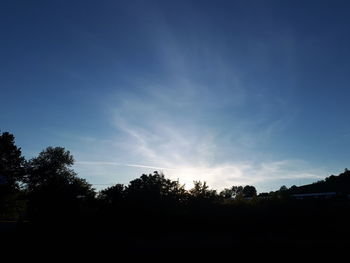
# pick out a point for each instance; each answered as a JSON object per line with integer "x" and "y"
{"x": 227, "y": 92}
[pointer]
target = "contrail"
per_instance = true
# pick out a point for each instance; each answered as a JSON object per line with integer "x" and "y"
{"x": 123, "y": 164}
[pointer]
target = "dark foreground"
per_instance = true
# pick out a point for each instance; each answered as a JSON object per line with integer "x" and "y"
{"x": 268, "y": 225}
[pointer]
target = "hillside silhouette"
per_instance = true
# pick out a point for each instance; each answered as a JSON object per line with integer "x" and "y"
{"x": 339, "y": 184}
{"x": 43, "y": 201}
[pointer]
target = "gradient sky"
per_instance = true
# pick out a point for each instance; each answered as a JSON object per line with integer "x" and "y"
{"x": 228, "y": 92}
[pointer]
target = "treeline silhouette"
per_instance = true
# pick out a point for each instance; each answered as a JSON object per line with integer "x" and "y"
{"x": 44, "y": 199}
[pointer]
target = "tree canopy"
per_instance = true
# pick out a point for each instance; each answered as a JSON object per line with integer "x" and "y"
{"x": 11, "y": 161}
{"x": 52, "y": 185}
{"x": 155, "y": 187}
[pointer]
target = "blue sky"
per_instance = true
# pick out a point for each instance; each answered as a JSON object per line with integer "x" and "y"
{"x": 228, "y": 92}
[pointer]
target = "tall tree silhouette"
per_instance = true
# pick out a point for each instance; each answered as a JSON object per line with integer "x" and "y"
{"x": 11, "y": 176}
{"x": 11, "y": 161}
{"x": 54, "y": 188}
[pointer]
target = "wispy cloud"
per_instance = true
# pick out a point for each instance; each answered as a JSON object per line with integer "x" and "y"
{"x": 199, "y": 121}
{"x": 189, "y": 153}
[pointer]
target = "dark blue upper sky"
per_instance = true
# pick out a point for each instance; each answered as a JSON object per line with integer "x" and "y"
{"x": 231, "y": 92}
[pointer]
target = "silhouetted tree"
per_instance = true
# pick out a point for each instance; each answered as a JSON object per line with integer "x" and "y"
{"x": 155, "y": 188}
{"x": 11, "y": 161}
{"x": 54, "y": 188}
{"x": 283, "y": 188}
{"x": 237, "y": 191}
{"x": 283, "y": 192}
{"x": 113, "y": 195}
{"x": 330, "y": 178}
{"x": 12, "y": 204}
{"x": 201, "y": 191}
{"x": 227, "y": 193}
{"x": 249, "y": 191}
{"x": 52, "y": 163}
{"x": 232, "y": 192}
{"x": 264, "y": 195}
